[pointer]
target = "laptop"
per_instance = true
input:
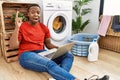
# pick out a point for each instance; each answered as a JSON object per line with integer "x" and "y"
{"x": 54, "y": 53}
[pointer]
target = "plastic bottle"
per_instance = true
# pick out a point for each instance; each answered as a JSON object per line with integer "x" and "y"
{"x": 93, "y": 51}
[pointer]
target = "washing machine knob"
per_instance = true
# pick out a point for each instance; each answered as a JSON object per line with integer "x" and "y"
{"x": 59, "y": 6}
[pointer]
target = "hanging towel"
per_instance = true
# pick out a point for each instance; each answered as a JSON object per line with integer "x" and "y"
{"x": 116, "y": 24}
{"x": 104, "y": 24}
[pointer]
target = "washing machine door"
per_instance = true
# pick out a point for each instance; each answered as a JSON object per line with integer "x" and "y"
{"x": 58, "y": 25}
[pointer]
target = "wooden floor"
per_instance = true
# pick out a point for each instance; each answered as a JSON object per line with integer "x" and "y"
{"x": 108, "y": 63}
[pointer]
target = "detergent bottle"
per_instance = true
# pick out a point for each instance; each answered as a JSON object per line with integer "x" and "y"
{"x": 93, "y": 51}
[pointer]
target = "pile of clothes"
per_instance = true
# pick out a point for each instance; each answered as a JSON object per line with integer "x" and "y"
{"x": 116, "y": 23}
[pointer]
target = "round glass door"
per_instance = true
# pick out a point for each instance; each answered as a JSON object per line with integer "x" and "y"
{"x": 58, "y": 26}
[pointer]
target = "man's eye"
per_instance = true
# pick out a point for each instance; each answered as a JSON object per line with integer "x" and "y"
{"x": 32, "y": 12}
{"x": 38, "y": 12}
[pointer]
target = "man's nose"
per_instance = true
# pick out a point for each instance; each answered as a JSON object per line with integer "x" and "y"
{"x": 36, "y": 14}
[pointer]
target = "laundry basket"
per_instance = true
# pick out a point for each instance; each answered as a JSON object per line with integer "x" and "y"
{"x": 83, "y": 40}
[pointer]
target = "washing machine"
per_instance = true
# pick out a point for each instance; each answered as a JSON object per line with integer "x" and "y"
{"x": 57, "y": 16}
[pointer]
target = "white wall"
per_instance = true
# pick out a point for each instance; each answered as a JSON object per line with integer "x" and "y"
{"x": 111, "y": 7}
{"x": 93, "y": 16}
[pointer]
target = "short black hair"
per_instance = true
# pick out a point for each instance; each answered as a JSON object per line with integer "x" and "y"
{"x": 32, "y": 6}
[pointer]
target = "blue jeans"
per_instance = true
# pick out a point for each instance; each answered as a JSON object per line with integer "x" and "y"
{"x": 58, "y": 68}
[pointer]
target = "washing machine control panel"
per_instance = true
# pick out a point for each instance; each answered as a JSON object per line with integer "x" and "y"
{"x": 57, "y": 6}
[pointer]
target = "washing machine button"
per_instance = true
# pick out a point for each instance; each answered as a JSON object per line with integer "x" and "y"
{"x": 59, "y": 6}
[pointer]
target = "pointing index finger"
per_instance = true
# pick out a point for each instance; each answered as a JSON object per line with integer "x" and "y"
{"x": 17, "y": 14}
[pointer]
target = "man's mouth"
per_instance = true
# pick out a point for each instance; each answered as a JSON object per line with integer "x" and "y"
{"x": 35, "y": 19}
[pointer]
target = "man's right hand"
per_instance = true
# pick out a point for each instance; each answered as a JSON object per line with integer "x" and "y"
{"x": 18, "y": 20}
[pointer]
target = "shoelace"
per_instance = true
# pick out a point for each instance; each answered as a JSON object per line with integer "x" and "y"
{"x": 93, "y": 77}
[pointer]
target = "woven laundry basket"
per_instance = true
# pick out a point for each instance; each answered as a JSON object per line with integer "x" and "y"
{"x": 83, "y": 40}
{"x": 112, "y": 39}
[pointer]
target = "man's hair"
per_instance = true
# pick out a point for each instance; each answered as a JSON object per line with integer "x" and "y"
{"x": 32, "y": 6}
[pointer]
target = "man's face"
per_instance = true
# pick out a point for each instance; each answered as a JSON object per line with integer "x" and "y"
{"x": 34, "y": 14}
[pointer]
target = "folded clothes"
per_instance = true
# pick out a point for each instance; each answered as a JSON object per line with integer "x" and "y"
{"x": 104, "y": 24}
{"x": 116, "y": 23}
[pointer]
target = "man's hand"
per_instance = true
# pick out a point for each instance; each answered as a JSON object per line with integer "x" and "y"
{"x": 18, "y": 20}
